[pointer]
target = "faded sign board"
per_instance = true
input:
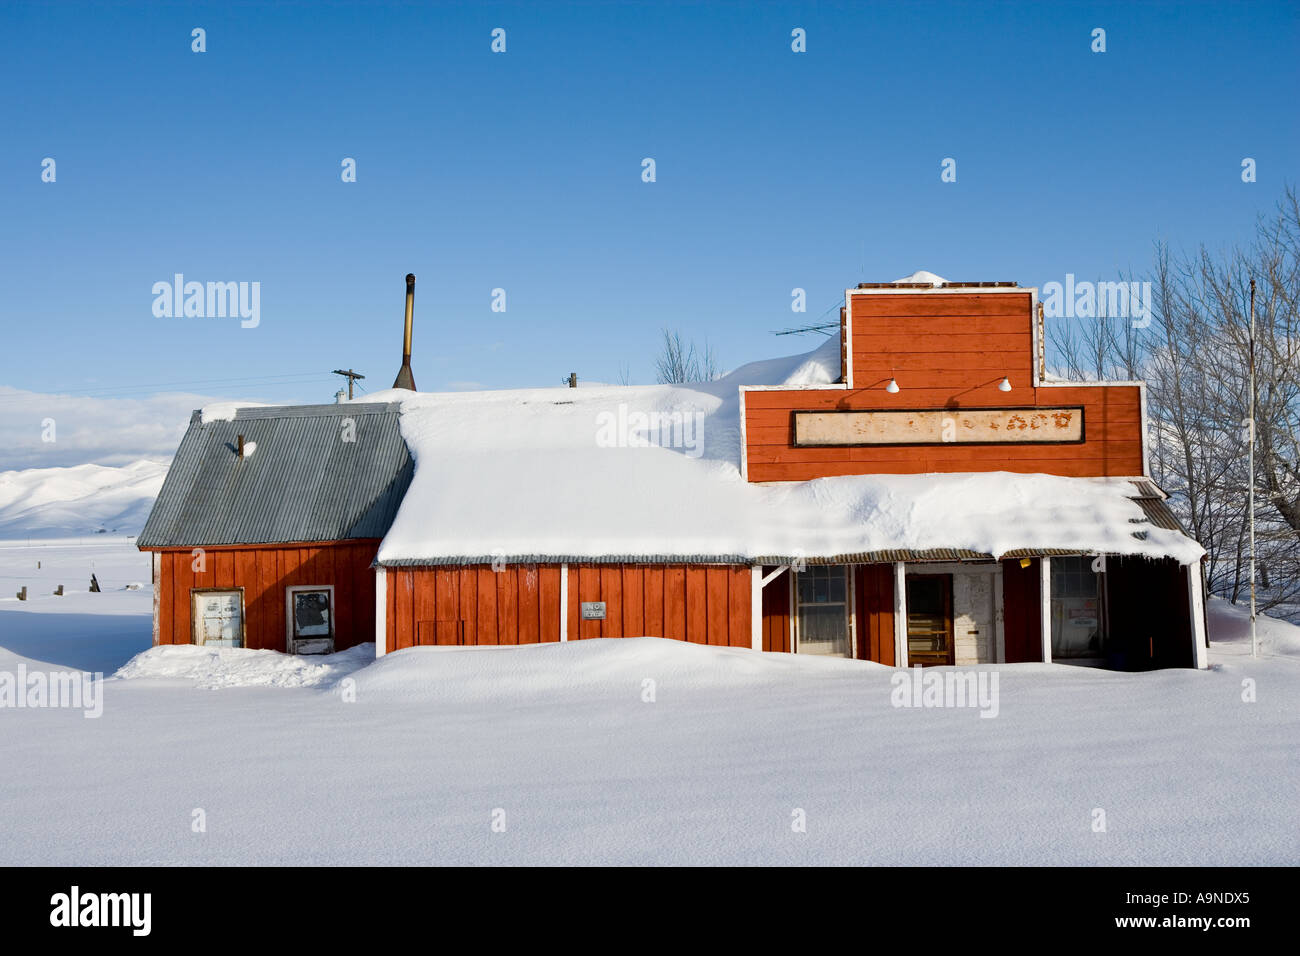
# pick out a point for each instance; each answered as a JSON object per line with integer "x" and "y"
{"x": 942, "y": 426}
{"x": 593, "y": 610}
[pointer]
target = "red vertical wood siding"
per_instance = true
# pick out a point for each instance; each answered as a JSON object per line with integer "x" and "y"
{"x": 521, "y": 605}
{"x": 1022, "y": 620}
{"x": 264, "y": 573}
{"x": 698, "y": 603}
{"x": 875, "y": 612}
{"x": 776, "y": 612}
{"x": 473, "y": 605}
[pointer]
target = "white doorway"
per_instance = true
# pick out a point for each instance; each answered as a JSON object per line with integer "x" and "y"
{"x": 974, "y": 611}
{"x": 218, "y": 617}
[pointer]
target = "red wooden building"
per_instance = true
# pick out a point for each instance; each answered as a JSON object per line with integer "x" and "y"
{"x": 312, "y": 542}
{"x": 267, "y": 525}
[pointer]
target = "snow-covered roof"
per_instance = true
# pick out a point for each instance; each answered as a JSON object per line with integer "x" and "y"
{"x": 652, "y": 473}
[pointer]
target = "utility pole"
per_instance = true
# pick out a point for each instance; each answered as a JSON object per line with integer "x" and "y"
{"x": 350, "y": 376}
{"x": 1254, "y": 638}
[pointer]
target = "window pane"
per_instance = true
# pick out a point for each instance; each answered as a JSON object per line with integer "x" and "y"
{"x": 311, "y": 613}
{"x": 822, "y": 630}
{"x": 1076, "y": 609}
{"x": 823, "y": 611}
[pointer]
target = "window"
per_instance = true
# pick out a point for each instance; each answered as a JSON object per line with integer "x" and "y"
{"x": 310, "y": 620}
{"x": 821, "y": 593}
{"x": 1078, "y": 630}
{"x": 218, "y": 617}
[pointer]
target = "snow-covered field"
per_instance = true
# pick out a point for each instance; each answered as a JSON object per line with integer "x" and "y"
{"x": 412, "y": 759}
{"x": 39, "y": 503}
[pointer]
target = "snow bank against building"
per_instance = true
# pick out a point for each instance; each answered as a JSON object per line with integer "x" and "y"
{"x": 217, "y": 667}
{"x": 597, "y": 668}
{"x": 78, "y": 500}
{"x": 1230, "y": 626}
{"x": 653, "y": 472}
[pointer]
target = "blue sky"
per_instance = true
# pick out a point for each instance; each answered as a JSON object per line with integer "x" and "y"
{"x": 522, "y": 171}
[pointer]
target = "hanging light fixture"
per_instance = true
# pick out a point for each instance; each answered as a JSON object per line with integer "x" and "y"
{"x": 892, "y": 387}
{"x": 1004, "y": 385}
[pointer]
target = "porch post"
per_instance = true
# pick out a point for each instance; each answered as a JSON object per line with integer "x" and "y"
{"x": 900, "y": 615}
{"x": 1045, "y": 605}
{"x": 381, "y": 611}
{"x": 851, "y": 582}
{"x": 155, "y": 560}
{"x": 1196, "y": 603}
{"x": 564, "y": 602}
{"x": 756, "y": 607}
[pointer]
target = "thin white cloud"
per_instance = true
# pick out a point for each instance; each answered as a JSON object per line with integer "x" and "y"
{"x": 102, "y": 431}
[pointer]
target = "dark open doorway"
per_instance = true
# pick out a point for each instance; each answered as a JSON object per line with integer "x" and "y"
{"x": 929, "y": 619}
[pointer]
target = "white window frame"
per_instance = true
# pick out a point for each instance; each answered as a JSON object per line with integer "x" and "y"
{"x": 290, "y": 644}
{"x": 848, "y": 610}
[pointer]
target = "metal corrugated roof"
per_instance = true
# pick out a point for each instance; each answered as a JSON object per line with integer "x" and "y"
{"x": 303, "y": 482}
{"x": 1155, "y": 506}
{"x": 858, "y": 557}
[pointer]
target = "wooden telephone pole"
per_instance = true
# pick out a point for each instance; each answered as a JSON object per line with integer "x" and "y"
{"x": 350, "y": 376}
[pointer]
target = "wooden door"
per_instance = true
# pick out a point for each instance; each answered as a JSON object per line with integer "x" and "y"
{"x": 929, "y": 619}
{"x": 218, "y": 617}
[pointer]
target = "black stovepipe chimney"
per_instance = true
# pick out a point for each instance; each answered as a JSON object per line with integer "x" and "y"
{"x": 404, "y": 377}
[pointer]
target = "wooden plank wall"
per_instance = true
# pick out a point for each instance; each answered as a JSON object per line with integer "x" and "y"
{"x": 776, "y": 612}
{"x": 264, "y": 573}
{"x": 938, "y": 345}
{"x": 521, "y": 605}
{"x": 473, "y": 605}
{"x": 1022, "y": 620}
{"x": 946, "y": 351}
{"x": 704, "y": 604}
{"x": 875, "y": 612}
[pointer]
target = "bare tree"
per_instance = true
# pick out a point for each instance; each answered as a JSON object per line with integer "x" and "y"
{"x": 1195, "y": 358}
{"x": 679, "y": 361}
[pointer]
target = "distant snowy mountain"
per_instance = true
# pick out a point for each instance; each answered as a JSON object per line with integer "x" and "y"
{"x": 79, "y": 500}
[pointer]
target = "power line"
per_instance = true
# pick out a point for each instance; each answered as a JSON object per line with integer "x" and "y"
{"x": 351, "y": 376}
{"x": 218, "y": 384}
